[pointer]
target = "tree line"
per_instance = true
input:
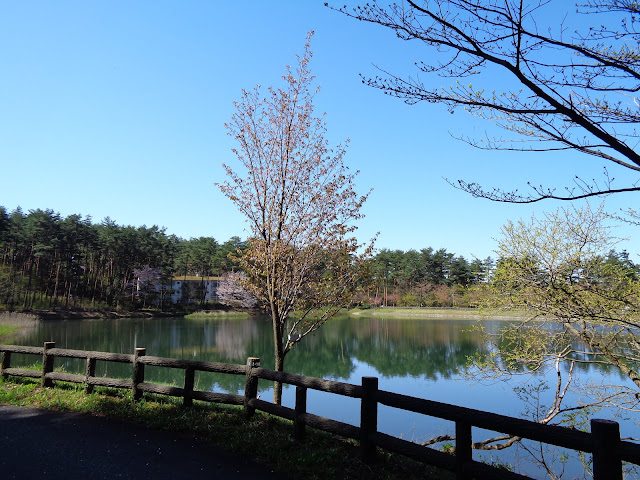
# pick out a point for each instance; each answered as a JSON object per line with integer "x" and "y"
{"x": 49, "y": 261}
{"x": 437, "y": 278}
{"x": 431, "y": 278}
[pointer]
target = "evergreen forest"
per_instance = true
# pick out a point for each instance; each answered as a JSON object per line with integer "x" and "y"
{"x": 49, "y": 261}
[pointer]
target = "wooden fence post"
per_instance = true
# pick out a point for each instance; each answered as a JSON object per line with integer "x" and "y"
{"x": 250, "y": 386}
{"x": 138, "y": 372}
{"x": 47, "y": 364}
{"x": 5, "y": 363}
{"x": 463, "y": 448}
{"x": 368, "y": 418}
{"x": 89, "y": 371}
{"x": 189, "y": 379}
{"x": 606, "y": 446}
{"x": 300, "y": 409}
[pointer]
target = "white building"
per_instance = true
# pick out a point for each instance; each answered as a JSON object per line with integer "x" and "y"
{"x": 193, "y": 289}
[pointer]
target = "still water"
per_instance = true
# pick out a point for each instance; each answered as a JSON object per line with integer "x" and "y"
{"x": 422, "y": 358}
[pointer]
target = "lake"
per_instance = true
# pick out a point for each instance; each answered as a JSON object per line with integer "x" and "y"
{"x": 424, "y": 358}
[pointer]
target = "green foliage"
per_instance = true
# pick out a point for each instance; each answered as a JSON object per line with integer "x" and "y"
{"x": 563, "y": 270}
{"x": 410, "y": 299}
{"x": 425, "y": 278}
{"x": 501, "y": 465}
{"x": 448, "y": 447}
{"x": 47, "y": 261}
{"x": 6, "y": 330}
{"x": 217, "y": 314}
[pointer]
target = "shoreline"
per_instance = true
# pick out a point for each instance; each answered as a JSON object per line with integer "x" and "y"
{"x": 28, "y": 319}
{"x": 43, "y": 315}
{"x": 437, "y": 313}
{"x": 17, "y": 324}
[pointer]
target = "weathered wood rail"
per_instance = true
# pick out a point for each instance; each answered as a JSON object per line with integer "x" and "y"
{"x": 603, "y": 442}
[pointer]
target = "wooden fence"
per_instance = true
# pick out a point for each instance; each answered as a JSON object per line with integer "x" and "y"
{"x": 604, "y": 442}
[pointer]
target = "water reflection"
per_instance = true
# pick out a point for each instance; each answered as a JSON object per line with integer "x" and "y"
{"x": 395, "y": 348}
{"x": 432, "y": 350}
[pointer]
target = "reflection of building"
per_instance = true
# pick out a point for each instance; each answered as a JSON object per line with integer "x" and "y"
{"x": 194, "y": 289}
{"x": 233, "y": 338}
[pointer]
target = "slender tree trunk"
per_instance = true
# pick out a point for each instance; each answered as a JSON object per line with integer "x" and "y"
{"x": 279, "y": 356}
{"x": 12, "y": 282}
{"x": 386, "y": 293}
{"x": 55, "y": 288}
{"x": 277, "y": 386}
{"x": 98, "y": 276}
{"x": 67, "y": 294}
{"x": 28, "y": 291}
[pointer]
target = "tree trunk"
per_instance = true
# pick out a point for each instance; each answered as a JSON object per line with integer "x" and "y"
{"x": 277, "y": 386}
{"x": 28, "y": 291}
{"x": 279, "y": 355}
{"x": 68, "y": 294}
{"x": 55, "y": 288}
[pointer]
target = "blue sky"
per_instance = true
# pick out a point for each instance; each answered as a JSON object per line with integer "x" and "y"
{"x": 118, "y": 109}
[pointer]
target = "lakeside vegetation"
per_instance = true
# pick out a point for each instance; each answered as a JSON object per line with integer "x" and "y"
{"x": 425, "y": 313}
{"x": 52, "y": 262}
{"x": 6, "y": 330}
{"x": 205, "y": 315}
{"x": 12, "y": 324}
{"x": 263, "y": 437}
{"x": 430, "y": 313}
{"x": 49, "y": 261}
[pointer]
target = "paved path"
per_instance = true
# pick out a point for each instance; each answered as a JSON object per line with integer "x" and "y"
{"x": 38, "y": 444}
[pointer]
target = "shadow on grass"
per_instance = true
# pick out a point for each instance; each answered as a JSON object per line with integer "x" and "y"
{"x": 264, "y": 437}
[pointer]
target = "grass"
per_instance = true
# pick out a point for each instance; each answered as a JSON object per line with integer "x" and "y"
{"x": 448, "y": 313}
{"x": 13, "y": 323}
{"x": 264, "y": 437}
{"x": 217, "y": 314}
{"x": 6, "y": 330}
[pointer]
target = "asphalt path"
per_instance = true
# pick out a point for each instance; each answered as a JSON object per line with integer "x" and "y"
{"x": 39, "y": 444}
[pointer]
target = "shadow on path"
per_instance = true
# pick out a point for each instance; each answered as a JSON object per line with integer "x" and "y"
{"x": 37, "y": 444}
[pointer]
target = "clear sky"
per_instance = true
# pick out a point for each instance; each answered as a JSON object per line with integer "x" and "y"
{"x": 118, "y": 109}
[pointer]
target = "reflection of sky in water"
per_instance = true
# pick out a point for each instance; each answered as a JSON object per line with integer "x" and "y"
{"x": 421, "y": 358}
{"x": 497, "y": 397}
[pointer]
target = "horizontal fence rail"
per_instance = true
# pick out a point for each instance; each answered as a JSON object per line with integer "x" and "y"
{"x": 604, "y": 442}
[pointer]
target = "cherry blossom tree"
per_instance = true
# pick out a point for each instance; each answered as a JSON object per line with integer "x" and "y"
{"x": 303, "y": 262}
{"x": 231, "y": 292}
{"x": 145, "y": 282}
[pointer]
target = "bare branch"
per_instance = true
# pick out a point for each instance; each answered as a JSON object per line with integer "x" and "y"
{"x": 569, "y": 92}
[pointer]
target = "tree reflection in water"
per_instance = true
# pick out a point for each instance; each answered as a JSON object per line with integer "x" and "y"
{"x": 422, "y": 358}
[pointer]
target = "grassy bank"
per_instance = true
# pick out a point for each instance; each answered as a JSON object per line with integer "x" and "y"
{"x": 447, "y": 313}
{"x": 7, "y": 330}
{"x": 217, "y": 314}
{"x": 13, "y": 324}
{"x": 264, "y": 437}
{"x": 79, "y": 314}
